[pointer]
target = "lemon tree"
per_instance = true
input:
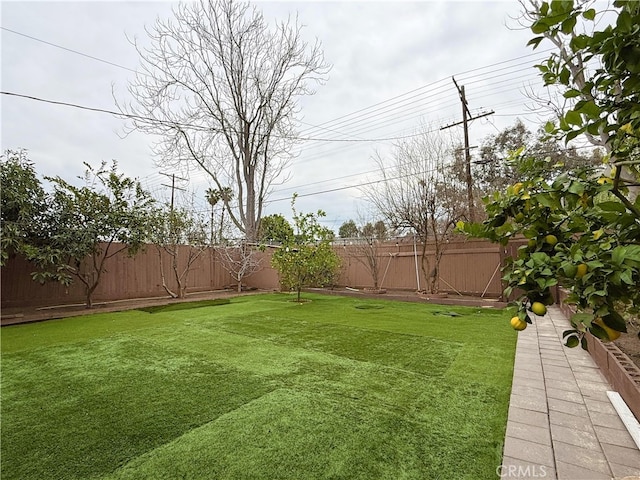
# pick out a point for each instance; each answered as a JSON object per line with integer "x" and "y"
{"x": 582, "y": 226}
{"x": 306, "y": 257}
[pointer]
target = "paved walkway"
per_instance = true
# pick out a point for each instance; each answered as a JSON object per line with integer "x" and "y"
{"x": 561, "y": 422}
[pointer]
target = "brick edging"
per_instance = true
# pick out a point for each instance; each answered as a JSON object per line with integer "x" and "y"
{"x": 622, "y": 374}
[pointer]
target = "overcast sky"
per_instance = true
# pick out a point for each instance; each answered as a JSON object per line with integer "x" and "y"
{"x": 392, "y": 68}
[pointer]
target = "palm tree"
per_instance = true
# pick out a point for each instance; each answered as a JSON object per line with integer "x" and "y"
{"x": 213, "y": 197}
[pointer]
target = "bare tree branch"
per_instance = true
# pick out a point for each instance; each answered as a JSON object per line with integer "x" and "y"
{"x": 420, "y": 194}
{"x": 219, "y": 87}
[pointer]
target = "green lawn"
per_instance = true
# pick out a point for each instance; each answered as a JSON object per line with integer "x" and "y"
{"x": 259, "y": 388}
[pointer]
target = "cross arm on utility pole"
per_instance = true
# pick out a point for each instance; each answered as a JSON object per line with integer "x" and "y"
{"x": 466, "y": 118}
{"x": 173, "y": 185}
{"x": 484, "y": 114}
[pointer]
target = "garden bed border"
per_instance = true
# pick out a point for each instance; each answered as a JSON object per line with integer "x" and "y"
{"x": 615, "y": 365}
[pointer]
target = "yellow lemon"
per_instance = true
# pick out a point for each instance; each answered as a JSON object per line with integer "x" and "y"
{"x": 517, "y": 188}
{"x": 581, "y": 270}
{"x": 603, "y": 180}
{"x": 611, "y": 333}
{"x": 551, "y": 239}
{"x": 538, "y": 308}
{"x": 518, "y": 324}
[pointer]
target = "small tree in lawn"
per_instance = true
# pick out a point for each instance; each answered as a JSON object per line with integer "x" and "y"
{"x": 306, "y": 259}
{"x": 174, "y": 231}
{"x": 240, "y": 261}
{"x": 85, "y": 226}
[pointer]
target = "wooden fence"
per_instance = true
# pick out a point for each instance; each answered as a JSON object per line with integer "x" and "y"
{"x": 468, "y": 267}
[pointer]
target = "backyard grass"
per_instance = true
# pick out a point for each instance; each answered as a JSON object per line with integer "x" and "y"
{"x": 259, "y": 388}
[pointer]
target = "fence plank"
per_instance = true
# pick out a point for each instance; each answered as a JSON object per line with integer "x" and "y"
{"x": 467, "y": 267}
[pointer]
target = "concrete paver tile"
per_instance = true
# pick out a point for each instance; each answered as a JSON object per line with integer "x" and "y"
{"x": 528, "y": 403}
{"x": 595, "y": 386}
{"x": 558, "y": 375}
{"x": 528, "y": 382}
{"x": 529, "y": 392}
{"x": 578, "y": 438}
{"x": 629, "y": 457}
{"x": 566, "y": 371}
{"x": 533, "y": 358}
{"x": 614, "y": 437}
{"x": 571, "y": 421}
{"x": 588, "y": 459}
{"x": 535, "y": 453}
{"x": 546, "y": 354}
{"x": 607, "y": 420}
{"x": 567, "y": 407}
{"x": 622, "y": 471}
{"x": 552, "y": 348}
{"x": 528, "y": 367}
{"x": 599, "y": 395}
{"x": 515, "y": 469}
{"x": 567, "y": 471}
{"x": 589, "y": 376}
{"x": 565, "y": 395}
{"x": 531, "y": 433}
{"x": 568, "y": 384}
{"x": 552, "y": 362}
{"x": 537, "y": 375}
{"x": 588, "y": 370}
{"x": 528, "y": 417}
{"x": 594, "y": 405}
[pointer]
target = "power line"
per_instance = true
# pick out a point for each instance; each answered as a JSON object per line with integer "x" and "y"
{"x": 538, "y": 53}
{"x": 463, "y": 74}
{"x": 199, "y": 127}
{"x": 69, "y": 49}
{"x": 348, "y": 187}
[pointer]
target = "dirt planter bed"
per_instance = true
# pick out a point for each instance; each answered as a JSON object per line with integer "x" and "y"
{"x": 616, "y": 366}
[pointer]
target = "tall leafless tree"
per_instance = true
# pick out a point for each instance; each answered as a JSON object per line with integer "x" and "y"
{"x": 220, "y": 87}
{"x": 421, "y": 195}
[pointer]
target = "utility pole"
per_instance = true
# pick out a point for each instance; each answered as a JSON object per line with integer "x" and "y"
{"x": 173, "y": 186}
{"x": 466, "y": 118}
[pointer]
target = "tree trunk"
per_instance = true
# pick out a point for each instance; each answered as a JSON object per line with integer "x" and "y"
{"x": 164, "y": 281}
{"x": 89, "y": 294}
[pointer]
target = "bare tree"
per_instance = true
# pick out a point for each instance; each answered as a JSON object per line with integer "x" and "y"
{"x": 182, "y": 236}
{"x": 420, "y": 194}
{"x": 220, "y": 89}
{"x": 240, "y": 261}
{"x": 367, "y": 249}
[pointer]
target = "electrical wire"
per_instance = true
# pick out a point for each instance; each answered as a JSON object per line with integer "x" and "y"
{"x": 379, "y": 116}
{"x": 462, "y": 75}
{"x": 98, "y": 59}
{"x": 198, "y": 127}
